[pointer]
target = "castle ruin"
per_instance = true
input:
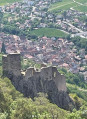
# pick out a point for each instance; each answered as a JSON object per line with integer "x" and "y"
{"x": 11, "y": 64}
{"x": 31, "y": 82}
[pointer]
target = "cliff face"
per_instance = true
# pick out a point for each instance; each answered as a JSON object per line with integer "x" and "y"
{"x": 31, "y": 88}
{"x": 48, "y": 80}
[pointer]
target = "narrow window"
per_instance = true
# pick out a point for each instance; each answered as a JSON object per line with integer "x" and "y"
{"x": 54, "y": 74}
{"x": 32, "y": 72}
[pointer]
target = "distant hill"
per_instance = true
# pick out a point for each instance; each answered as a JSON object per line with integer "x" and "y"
{"x": 80, "y": 5}
{"x": 4, "y": 2}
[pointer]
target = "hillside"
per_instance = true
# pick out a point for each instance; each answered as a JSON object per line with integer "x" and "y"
{"x": 4, "y": 2}
{"x": 34, "y": 95}
{"x": 14, "y": 105}
{"x": 79, "y": 5}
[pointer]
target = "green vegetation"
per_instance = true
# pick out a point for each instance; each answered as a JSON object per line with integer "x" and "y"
{"x": 1, "y": 17}
{"x": 49, "y": 32}
{"x": 80, "y": 92}
{"x": 62, "y": 7}
{"x": 79, "y": 42}
{"x": 25, "y": 63}
{"x": 14, "y": 106}
{"x": 67, "y": 4}
{"x": 75, "y": 84}
{"x": 80, "y": 114}
{"x": 0, "y": 64}
{"x": 77, "y": 89}
{"x": 83, "y": 18}
{"x": 81, "y": 8}
{"x": 82, "y": 1}
{"x": 3, "y": 50}
{"x": 4, "y": 2}
{"x": 74, "y": 79}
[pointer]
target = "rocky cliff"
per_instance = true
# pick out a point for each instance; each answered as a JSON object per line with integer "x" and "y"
{"x": 31, "y": 88}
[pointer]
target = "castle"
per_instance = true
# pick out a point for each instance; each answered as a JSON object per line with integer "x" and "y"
{"x": 31, "y": 82}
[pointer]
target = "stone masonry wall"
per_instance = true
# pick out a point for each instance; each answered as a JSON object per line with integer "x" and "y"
{"x": 11, "y": 64}
{"x": 48, "y": 73}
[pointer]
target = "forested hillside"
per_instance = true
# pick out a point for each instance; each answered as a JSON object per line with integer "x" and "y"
{"x": 42, "y": 21}
{"x": 13, "y": 105}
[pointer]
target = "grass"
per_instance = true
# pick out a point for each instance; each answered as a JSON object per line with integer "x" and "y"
{"x": 4, "y": 2}
{"x": 49, "y": 32}
{"x": 81, "y": 1}
{"x": 59, "y": 5}
{"x": 81, "y": 8}
{"x": 82, "y": 93}
{"x": 67, "y": 4}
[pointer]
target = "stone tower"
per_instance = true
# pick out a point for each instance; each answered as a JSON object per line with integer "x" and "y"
{"x": 11, "y": 65}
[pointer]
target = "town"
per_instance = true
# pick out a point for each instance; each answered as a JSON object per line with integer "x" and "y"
{"x": 36, "y": 14}
{"x": 43, "y": 59}
{"x": 57, "y": 51}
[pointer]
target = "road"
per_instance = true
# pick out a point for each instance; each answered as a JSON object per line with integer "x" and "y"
{"x": 72, "y": 26}
{"x": 83, "y": 34}
{"x": 77, "y": 2}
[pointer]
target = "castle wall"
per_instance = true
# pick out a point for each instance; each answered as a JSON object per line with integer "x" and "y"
{"x": 46, "y": 73}
{"x": 29, "y": 73}
{"x": 59, "y": 80}
{"x": 5, "y": 65}
{"x": 12, "y": 64}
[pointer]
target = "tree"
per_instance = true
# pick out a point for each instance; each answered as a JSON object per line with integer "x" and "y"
{"x": 1, "y": 17}
{"x": 3, "y": 50}
{"x": 65, "y": 14}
